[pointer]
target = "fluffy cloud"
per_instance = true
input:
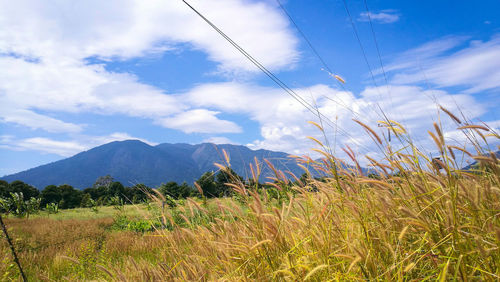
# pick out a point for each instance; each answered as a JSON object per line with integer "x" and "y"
{"x": 133, "y": 28}
{"x": 60, "y": 87}
{"x": 199, "y": 120}
{"x": 282, "y": 119}
{"x": 46, "y": 52}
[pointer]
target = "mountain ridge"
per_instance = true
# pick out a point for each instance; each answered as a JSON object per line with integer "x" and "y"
{"x": 133, "y": 161}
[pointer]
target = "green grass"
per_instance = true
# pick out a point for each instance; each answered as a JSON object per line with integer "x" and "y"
{"x": 87, "y": 213}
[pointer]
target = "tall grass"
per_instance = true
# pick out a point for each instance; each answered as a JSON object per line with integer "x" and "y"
{"x": 418, "y": 218}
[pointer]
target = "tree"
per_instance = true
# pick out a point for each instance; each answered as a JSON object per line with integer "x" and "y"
{"x": 5, "y": 204}
{"x": 116, "y": 189}
{"x": 71, "y": 197}
{"x": 97, "y": 193}
{"x": 175, "y": 190}
{"x": 18, "y": 205}
{"x": 32, "y": 206}
{"x": 21, "y": 187}
{"x": 208, "y": 185}
{"x": 64, "y": 195}
{"x": 104, "y": 181}
{"x": 185, "y": 190}
{"x": 86, "y": 201}
{"x": 227, "y": 175}
{"x": 51, "y": 194}
{"x": 169, "y": 188}
{"x": 4, "y": 189}
{"x": 137, "y": 193}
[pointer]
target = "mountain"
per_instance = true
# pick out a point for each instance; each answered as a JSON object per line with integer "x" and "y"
{"x": 474, "y": 164}
{"x": 133, "y": 161}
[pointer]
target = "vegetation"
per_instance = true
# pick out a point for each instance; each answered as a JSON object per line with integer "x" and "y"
{"x": 22, "y": 199}
{"x": 411, "y": 220}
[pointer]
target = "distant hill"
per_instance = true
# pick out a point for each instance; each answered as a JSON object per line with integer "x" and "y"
{"x": 475, "y": 163}
{"x": 133, "y": 161}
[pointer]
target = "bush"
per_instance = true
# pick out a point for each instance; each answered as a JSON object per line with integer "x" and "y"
{"x": 122, "y": 222}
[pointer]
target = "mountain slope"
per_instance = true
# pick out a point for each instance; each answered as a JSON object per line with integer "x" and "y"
{"x": 133, "y": 161}
{"x": 205, "y": 155}
{"x": 129, "y": 162}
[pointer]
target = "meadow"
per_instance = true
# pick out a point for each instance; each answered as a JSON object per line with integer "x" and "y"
{"x": 417, "y": 218}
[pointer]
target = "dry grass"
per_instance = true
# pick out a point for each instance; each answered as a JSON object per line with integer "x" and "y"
{"x": 421, "y": 223}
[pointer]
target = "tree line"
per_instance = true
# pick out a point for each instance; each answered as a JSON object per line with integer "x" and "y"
{"x": 21, "y": 198}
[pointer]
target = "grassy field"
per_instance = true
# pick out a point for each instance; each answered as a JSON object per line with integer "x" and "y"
{"x": 87, "y": 213}
{"x": 419, "y": 219}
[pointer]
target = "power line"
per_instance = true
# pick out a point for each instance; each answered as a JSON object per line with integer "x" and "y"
{"x": 368, "y": 13}
{"x": 280, "y": 83}
{"x": 323, "y": 62}
{"x": 305, "y": 37}
{"x": 359, "y": 42}
{"x": 366, "y": 60}
{"x": 376, "y": 44}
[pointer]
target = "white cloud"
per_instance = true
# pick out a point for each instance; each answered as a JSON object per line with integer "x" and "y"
{"x": 46, "y": 145}
{"x": 64, "y": 148}
{"x": 128, "y": 28}
{"x": 36, "y": 121}
{"x": 423, "y": 52}
{"x": 75, "y": 88}
{"x": 201, "y": 121}
{"x": 384, "y": 16}
{"x": 282, "y": 120}
{"x": 45, "y": 47}
{"x": 476, "y": 67}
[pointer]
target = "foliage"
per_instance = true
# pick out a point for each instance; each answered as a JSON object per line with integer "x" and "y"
{"x": 4, "y": 188}
{"x": 32, "y": 206}
{"x": 208, "y": 185}
{"x": 122, "y": 222}
{"x": 137, "y": 193}
{"x": 116, "y": 189}
{"x": 174, "y": 190}
{"x": 103, "y": 194}
{"x": 18, "y": 206}
{"x": 52, "y": 208}
{"x": 116, "y": 202}
{"x": 64, "y": 195}
{"x": 18, "y": 187}
{"x": 5, "y": 204}
{"x": 215, "y": 185}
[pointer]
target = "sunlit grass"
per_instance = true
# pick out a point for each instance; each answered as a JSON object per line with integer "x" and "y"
{"x": 417, "y": 219}
{"x": 87, "y": 213}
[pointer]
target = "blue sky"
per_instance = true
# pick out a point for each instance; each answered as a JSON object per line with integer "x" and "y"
{"x": 77, "y": 74}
